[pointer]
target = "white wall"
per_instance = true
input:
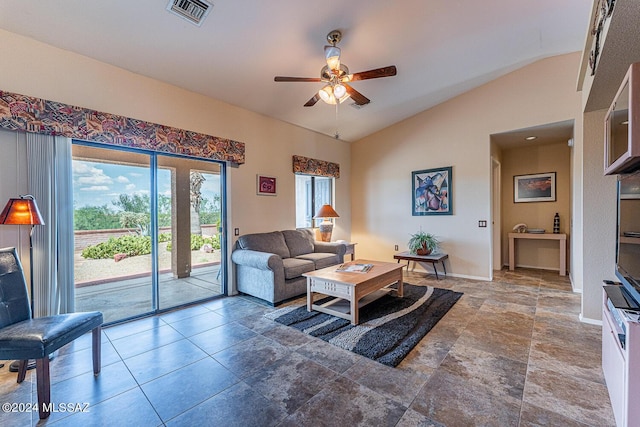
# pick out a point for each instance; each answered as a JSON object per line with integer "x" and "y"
{"x": 599, "y": 201}
{"x": 455, "y": 133}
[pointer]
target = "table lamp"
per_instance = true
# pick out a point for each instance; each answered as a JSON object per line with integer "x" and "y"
{"x": 326, "y": 226}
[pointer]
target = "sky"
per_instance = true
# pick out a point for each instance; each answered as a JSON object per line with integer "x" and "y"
{"x": 97, "y": 184}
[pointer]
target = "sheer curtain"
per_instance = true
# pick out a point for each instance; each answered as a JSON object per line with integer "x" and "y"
{"x": 50, "y": 182}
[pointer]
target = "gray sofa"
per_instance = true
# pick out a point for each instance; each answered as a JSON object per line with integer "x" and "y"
{"x": 269, "y": 266}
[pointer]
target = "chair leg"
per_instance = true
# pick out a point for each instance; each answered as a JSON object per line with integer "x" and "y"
{"x": 96, "y": 349}
{"x": 22, "y": 370}
{"x": 44, "y": 386}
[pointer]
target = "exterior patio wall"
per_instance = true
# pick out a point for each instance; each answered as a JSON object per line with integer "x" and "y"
{"x": 84, "y": 238}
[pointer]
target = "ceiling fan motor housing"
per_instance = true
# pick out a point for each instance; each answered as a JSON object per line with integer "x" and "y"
{"x": 334, "y": 37}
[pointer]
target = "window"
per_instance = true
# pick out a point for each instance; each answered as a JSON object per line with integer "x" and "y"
{"x": 311, "y": 193}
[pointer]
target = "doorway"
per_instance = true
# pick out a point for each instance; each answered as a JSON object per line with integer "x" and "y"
{"x": 496, "y": 219}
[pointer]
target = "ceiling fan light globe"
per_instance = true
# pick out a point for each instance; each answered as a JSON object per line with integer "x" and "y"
{"x": 343, "y": 98}
{"x": 339, "y": 91}
{"x": 326, "y": 94}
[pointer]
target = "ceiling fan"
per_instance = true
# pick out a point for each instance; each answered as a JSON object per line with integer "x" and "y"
{"x": 337, "y": 78}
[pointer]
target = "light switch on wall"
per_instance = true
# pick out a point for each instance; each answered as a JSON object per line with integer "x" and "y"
{"x": 482, "y": 223}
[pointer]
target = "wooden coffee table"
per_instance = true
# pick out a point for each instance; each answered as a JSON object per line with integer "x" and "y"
{"x": 352, "y": 290}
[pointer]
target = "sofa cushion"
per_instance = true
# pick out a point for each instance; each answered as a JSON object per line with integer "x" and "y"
{"x": 299, "y": 241}
{"x": 321, "y": 259}
{"x": 295, "y": 267}
{"x": 272, "y": 243}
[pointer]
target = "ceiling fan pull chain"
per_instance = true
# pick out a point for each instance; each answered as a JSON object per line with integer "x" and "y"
{"x": 337, "y": 134}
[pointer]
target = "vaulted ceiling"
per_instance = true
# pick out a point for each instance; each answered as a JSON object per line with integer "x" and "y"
{"x": 441, "y": 48}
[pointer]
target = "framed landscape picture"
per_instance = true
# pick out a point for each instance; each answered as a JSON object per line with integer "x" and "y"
{"x": 432, "y": 193}
{"x": 539, "y": 187}
{"x": 266, "y": 185}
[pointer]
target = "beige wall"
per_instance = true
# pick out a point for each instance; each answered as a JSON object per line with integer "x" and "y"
{"x": 529, "y": 160}
{"x": 599, "y": 201}
{"x": 36, "y": 69}
{"x": 455, "y": 133}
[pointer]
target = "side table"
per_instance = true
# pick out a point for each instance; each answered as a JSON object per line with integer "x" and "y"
{"x": 433, "y": 258}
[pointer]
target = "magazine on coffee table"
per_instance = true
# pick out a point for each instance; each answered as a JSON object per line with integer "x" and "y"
{"x": 354, "y": 268}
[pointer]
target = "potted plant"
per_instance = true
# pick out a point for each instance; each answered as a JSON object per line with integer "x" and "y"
{"x": 422, "y": 243}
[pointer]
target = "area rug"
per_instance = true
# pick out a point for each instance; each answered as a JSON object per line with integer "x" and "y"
{"x": 389, "y": 327}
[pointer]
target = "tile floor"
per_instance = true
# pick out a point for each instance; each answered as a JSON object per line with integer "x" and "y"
{"x": 510, "y": 353}
{"x": 125, "y": 298}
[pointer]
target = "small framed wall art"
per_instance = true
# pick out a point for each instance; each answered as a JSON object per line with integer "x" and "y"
{"x": 538, "y": 187}
{"x": 432, "y": 193}
{"x": 266, "y": 185}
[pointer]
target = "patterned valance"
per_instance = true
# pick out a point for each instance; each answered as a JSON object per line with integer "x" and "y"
{"x": 308, "y": 166}
{"x": 29, "y": 114}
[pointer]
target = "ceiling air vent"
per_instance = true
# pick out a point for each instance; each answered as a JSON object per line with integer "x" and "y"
{"x": 193, "y": 11}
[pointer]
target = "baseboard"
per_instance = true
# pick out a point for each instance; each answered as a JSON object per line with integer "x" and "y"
{"x": 536, "y": 267}
{"x": 465, "y": 276}
{"x": 590, "y": 321}
{"x": 420, "y": 268}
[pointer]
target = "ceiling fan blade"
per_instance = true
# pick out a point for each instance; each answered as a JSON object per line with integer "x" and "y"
{"x": 312, "y": 101}
{"x": 296, "y": 79}
{"x": 373, "y": 74}
{"x": 359, "y": 98}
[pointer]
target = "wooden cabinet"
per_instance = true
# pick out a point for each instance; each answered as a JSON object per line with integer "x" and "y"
{"x": 621, "y": 363}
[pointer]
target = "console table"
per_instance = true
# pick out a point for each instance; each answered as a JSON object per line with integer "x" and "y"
{"x": 560, "y": 237}
{"x": 432, "y": 258}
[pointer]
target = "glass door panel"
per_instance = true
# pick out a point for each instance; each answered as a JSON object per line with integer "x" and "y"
{"x": 189, "y": 230}
{"x": 113, "y": 257}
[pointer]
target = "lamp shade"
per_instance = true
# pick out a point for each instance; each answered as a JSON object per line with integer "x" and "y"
{"x": 22, "y": 211}
{"x": 326, "y": 211}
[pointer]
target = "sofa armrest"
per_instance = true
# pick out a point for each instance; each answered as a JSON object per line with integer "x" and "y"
{"x": 256, "y": 259}
{"x": 331, "y": 247}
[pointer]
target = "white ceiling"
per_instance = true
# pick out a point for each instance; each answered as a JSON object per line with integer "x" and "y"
{"x": 441, "y": 48}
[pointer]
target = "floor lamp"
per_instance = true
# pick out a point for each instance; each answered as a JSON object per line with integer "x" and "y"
{"x": 23, "y": 211}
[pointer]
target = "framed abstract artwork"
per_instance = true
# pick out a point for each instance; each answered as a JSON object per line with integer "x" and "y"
{"x": 538, "y": 187}
{"x": 432, "y": 192}
{"x": 266, "y": 185}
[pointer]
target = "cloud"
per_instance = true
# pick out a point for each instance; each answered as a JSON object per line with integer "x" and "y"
{"x": 83, "y": 168}
{"x": 87, "y": 174}
{"x": 95, "y": 188}
{"x": 95, "y": 180}
{"x": 135, "y": 174}
{"x": 122, "y": 179}
{"x": 130, "y": 187}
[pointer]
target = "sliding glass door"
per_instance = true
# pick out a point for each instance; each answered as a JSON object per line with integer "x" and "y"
{"x": 148, "y": 231}
{"x": 190, "y": 211}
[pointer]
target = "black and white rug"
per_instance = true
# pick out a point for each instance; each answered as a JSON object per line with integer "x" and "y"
{"x": 389, "y": 327}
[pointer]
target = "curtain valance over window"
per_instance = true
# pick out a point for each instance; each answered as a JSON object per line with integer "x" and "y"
{"x": 30, "y": 114}
{"x": 308, "y": 166}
